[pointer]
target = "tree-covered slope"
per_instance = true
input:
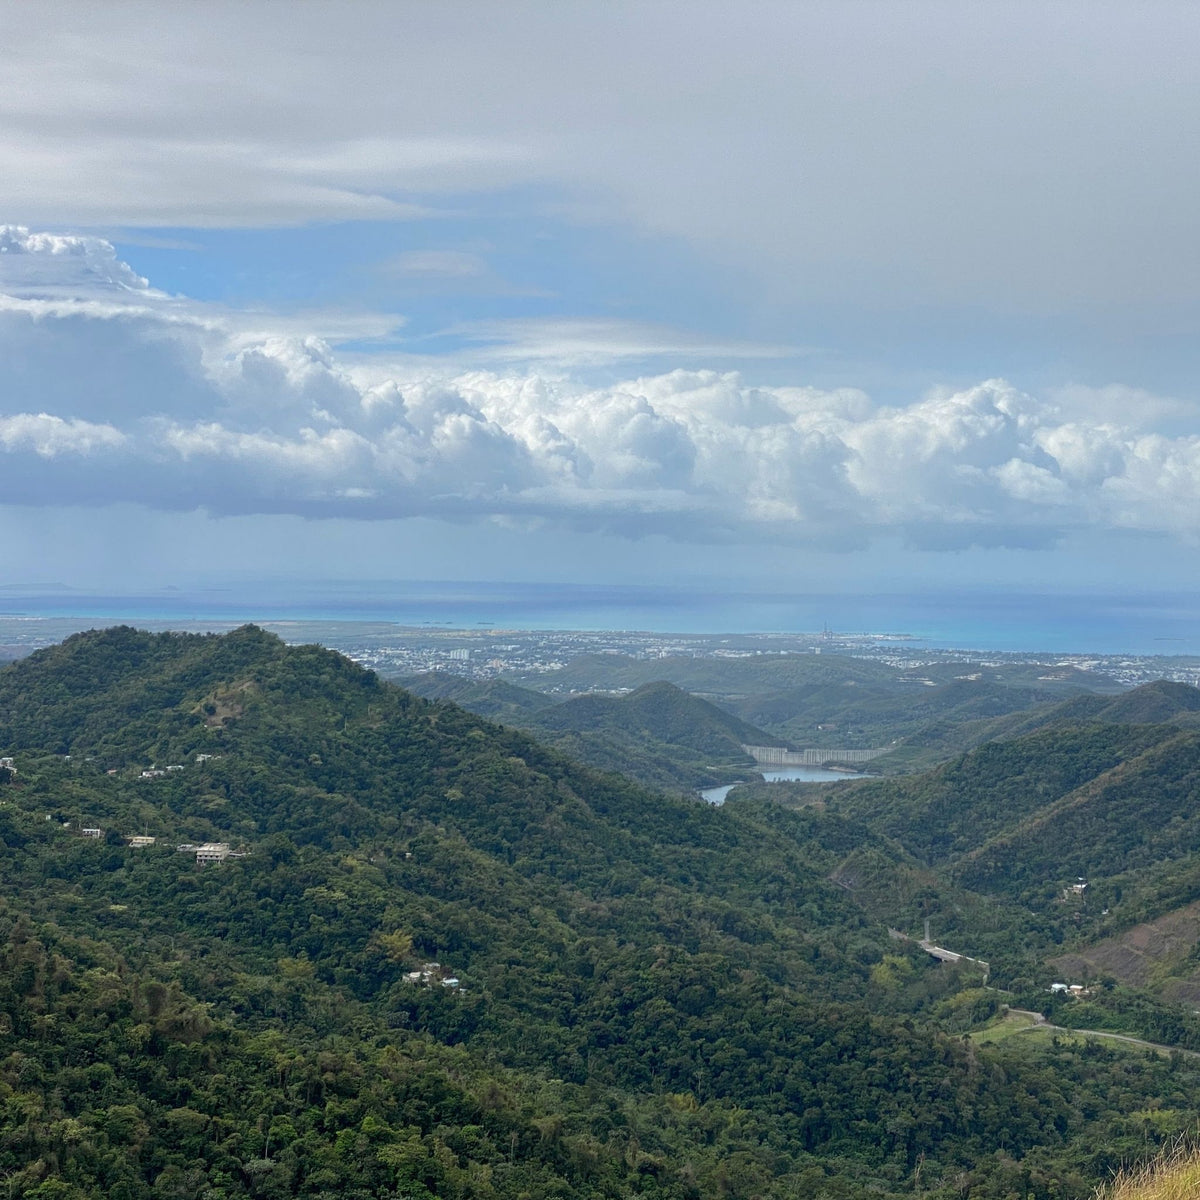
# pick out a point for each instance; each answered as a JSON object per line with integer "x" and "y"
{"x": 952, "y": 810}
{"x": 823, "y": 700}
{"x": 1004, "y": 713}
{"x": 1154, "y": 703}
{"x": 696, "y": 742}
{"x": 660, "y": 710}
{"x": 653, "y": 997}
{"x": 1085, "y": 836}
{"x": 1135, "y": 816}
{"x": 711, "y": 677}
{"x": 658, "y": 734}
{"x": 1161, "y": 702}
{"x": 495, "y": 699}
{"x": 914, "y": 712}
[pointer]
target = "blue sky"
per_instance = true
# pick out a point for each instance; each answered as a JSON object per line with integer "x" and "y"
{"x": 501, "y": 257}
{"x": 883, "y": 297}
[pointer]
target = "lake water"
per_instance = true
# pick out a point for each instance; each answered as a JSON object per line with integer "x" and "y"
{"x": 717, "y": 795}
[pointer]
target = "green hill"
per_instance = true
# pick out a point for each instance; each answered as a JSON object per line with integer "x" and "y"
{"x": 711, "y": 677}
{"x": 453, "y": 963}
{"x": 495, "y": 699}
{"x": 659, "y": 734}
{"x": 855, "y": 713}
{"x": 658, "y": 720}
{"x": 1008, "y": 788}
{"x": 831, "y": 701}
{"x": 1160, "y": 702}
{"x": 1026, "y": 819}
{"x": 1136, "y": 816}
{"x": 1154, "y": 703}
{"x": 951, "y": 811}
{"x": 661, "y": 710}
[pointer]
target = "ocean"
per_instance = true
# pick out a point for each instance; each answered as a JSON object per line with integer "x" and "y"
{"x": 1082, "y": 623}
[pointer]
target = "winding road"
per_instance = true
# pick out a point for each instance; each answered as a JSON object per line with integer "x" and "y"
{"x": 1037, "y": 1021}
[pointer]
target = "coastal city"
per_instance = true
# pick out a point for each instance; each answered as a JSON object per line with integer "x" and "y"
{"x": 396, "y": 651}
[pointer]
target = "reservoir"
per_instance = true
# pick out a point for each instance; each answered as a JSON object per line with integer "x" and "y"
{"x": 716, "y": 795}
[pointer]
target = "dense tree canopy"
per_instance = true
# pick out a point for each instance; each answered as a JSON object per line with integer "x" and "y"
{"x": 455, "y": 963}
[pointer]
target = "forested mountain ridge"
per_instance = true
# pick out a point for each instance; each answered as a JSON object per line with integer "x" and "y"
{"x": 1028, "y": 815}
{"x": 653, "y": 997}
{"x": 662, "y": 709}
{"x": 1136, "y": 814}
{"x": 710, "y": 677}
{"x": 801, "y": 700}
{"x": 1086, "y": 836}
{"x": 1162, "y": 702}
{"x": 953, "y": 809}
{"x": 923, "y": 715}
{"x": 657, "y": 734}
{"x": 496, "y": 699}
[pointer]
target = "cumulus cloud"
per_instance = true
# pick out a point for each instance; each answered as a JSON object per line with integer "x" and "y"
{"x": 112, "y": 392}
{"x": 48, "y": 436}
{"x": 46, "y": 264}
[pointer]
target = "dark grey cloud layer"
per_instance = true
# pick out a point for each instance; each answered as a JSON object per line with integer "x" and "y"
{"x": 1015, "y": 157}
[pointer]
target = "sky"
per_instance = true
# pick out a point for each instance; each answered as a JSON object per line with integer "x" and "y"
{"x": 873, "y": 297}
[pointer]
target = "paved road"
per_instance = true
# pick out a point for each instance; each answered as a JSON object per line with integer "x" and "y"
{"x": 1040, "y": 1022}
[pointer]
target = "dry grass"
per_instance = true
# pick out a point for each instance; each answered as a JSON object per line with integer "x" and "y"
{"x": 1175, "y": 1176}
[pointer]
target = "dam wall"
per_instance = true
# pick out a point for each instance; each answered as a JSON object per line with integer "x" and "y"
{"x": 777, "y": 756}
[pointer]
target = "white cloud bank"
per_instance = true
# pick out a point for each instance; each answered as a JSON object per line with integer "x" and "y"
{"x": 111, "y": 392}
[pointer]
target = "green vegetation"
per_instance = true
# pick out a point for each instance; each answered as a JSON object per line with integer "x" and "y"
{"x": 495, "y": 699}
{"x": 728, "y": 678}
{"x": 1023, "y": 820}
{"x": 658, "y": 734}
{"x": 654, "y": 997}
{"x": 826, "y": 700}
{"x": 948, "y": 813}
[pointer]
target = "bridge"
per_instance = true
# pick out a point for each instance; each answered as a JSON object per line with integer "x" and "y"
{"x": 777, "y": 756}
{"x": 940, "y": 952}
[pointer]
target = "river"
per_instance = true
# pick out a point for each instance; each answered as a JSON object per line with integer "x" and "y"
{"x": 716, "y": 795}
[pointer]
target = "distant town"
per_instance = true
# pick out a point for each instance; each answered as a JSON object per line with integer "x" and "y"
{"x": 482, "y": 655}
{"x": 396, "y": 650}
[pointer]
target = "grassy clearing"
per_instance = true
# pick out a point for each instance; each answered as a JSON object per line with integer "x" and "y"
{"x": 1035, "y": 1034}
{"x": 1004, "y": 1027}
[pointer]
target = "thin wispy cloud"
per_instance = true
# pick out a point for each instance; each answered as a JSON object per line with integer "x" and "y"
{"x": 435, "y": 264}
{"x": 575, "y": 342}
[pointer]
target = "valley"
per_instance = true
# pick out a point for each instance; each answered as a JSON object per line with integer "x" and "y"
{"x": 456, "y": 958}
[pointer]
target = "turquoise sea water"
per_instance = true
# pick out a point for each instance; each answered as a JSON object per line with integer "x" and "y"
{"x": 1142, "y": 624}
